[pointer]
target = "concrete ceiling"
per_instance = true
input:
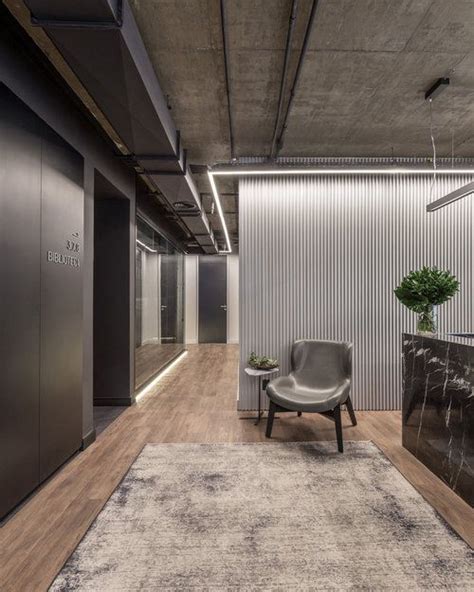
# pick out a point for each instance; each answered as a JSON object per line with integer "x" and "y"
{"x": 360, "y": 91}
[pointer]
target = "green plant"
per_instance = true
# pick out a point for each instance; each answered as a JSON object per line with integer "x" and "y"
{"x": 421, "y": 290}
{"x": 261, "y": 362}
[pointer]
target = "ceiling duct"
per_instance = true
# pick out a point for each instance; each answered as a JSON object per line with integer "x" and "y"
{"x": 101, "y": 42}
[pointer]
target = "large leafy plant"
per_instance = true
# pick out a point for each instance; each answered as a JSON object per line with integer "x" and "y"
{"x": 421, "y": 290}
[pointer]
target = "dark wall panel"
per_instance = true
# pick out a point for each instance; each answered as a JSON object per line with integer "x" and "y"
{"x": 31, "y": 79}
{"x": 112, "y": 369}
{"x": 20, "y": 186}
{"x": 62, "y": 207}
{"x": 41, "y": 229}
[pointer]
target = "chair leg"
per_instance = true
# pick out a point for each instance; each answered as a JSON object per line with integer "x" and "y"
{"x": 337, "y": 418}
{"x": 271, "y": 416}
{"x": 299, "y": 413}
{"x": 350, "y": 410}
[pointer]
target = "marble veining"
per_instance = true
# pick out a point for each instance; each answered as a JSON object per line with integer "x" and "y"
{"x": 438, "y": 407}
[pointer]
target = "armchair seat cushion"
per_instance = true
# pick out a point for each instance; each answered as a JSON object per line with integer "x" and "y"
{"x": 287, "y": 393}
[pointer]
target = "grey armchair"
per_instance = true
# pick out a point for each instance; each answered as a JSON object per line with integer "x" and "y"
{"x": 319, "y": 382}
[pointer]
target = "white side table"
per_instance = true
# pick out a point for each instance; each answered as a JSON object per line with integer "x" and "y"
{"x": 260, "y": 374}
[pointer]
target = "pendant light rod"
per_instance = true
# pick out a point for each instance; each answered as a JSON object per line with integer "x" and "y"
{"x": 451, "y": 197}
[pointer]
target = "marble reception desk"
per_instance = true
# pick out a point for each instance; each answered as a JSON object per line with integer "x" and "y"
{"x": 438, "y": 407}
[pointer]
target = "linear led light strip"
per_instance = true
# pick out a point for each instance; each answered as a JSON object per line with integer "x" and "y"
{"x": 347, "y": 171}
{"x": 146, "y": 247}
{"x": 156, "y": 380}
{"x": 217, "y": 201}
{"x": 237, "y": 172}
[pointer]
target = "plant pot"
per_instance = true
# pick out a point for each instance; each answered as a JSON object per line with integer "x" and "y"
{"x": 427, "y": 323}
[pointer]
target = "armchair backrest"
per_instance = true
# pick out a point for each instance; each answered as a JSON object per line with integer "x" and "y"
{"x": 321, "y": 364}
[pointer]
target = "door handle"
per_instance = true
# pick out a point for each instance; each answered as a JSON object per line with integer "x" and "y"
{"x": 224, "y": 306}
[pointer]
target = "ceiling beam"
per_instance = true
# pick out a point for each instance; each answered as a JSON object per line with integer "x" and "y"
{"x": 286, "y": 61}
{"x": 226, "y": 75}
{"x": 304, "y": 49}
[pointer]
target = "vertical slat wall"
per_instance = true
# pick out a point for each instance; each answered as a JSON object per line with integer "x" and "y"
{"x": 320, "y": 257}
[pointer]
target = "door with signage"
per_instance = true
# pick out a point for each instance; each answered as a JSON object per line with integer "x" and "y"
{"x": 212, "y": 299}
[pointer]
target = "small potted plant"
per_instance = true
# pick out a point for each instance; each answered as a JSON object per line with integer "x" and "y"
{"x": 422, "y": 291}
{"x": 262, "y": 362}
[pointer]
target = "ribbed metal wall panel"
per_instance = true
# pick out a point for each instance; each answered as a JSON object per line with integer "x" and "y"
{"x": 320, "y": 257}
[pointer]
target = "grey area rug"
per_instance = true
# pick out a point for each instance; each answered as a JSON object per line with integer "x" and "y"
{"x": 276, "y": 517}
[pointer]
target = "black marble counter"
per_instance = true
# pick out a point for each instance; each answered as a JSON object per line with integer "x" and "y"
{"x": 438, "y": 407}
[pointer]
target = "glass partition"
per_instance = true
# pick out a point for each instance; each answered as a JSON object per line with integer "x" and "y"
{"x": 159, "y": 310}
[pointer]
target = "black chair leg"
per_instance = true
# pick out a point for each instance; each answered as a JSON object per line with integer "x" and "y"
{"x": 299, "y": 413}
{"x": 350, "y": 410}
{"x": 270, "y": 418}
{"x": 337, "y": 418}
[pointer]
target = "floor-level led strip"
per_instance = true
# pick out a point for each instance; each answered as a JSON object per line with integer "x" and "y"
{"x": 151, "y": 385}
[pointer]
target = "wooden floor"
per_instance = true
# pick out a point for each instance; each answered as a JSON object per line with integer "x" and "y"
{"x": 194, "y": 402}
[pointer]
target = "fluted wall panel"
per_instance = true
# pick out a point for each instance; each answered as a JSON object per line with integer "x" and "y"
{"x": 320, "y": 257}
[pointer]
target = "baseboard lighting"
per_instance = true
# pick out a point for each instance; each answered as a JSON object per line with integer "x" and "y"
{"x": 156, "y": 380}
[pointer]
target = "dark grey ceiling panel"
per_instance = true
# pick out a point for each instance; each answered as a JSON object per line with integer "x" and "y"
{"x": 101, "y": 43}
{"x": 85, "y": 10}
{"x": 114, "y": 67}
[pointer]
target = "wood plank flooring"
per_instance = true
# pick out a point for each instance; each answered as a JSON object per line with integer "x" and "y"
{"x": 194, "y": 402}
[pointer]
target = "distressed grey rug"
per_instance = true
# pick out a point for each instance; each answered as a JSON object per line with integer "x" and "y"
{"x": 277, "y": 517}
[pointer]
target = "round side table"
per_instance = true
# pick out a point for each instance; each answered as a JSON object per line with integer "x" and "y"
{"x": 260, "y": 374}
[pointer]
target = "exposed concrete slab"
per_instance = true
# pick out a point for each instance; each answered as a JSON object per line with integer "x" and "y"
{"x": 257, "y": 32}
{"x": 364, "y": 78}
{"x": 367, "y": 25}
{"x": 184, "y": 42}
{"x": 362, "y": 85}
{"x": 448, "y": 26}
